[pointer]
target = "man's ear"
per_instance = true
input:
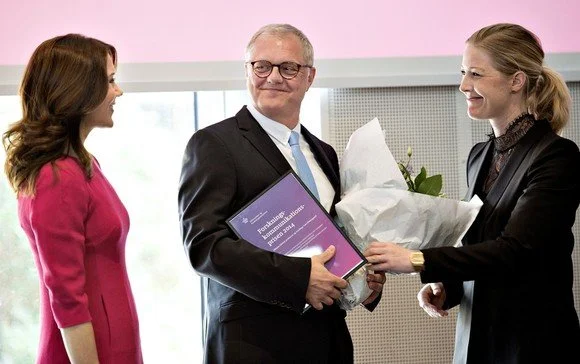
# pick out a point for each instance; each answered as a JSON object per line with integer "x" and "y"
{"x": 311, "y": 76}
{"x": 518, "y": 81}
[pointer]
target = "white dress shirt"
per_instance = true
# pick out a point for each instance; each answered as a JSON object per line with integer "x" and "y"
{"x": 280, "y": 134}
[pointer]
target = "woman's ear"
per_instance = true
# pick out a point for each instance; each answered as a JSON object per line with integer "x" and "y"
{"x": 518, "y": 81}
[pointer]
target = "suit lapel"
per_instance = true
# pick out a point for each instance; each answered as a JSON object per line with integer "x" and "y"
{"x": 513, "y": 164}
{"x": 258, "y": 137}
{"x": 253, "y": 132}
{"x": 475, "y": 167}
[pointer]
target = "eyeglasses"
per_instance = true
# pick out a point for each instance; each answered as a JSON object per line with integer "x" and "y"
{"x": 288, "y": 70}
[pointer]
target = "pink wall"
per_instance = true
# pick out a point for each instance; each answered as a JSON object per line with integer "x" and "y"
{"x": 211, "y": 30}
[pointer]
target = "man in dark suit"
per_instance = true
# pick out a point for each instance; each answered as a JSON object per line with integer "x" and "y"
{"x": 253, "y": 299}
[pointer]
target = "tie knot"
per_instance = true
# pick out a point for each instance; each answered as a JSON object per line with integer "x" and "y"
{"x": 294, "y": 137}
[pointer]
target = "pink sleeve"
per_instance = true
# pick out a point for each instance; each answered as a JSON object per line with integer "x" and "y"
{"x": 58, "y": 213}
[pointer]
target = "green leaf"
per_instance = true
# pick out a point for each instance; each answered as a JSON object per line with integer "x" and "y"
{"x": 402, "y": 168}
{"x": 420, "y": 178}
{"x": 421, "y": 183}
{"x": 431, "y": 185}
{"x": 407, "y": 176}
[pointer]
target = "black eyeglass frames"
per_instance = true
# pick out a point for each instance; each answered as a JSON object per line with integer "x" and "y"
{"x": 288, "y": 70}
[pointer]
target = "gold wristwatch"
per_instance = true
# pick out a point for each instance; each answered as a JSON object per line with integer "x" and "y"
{"x": 417, "y": 260}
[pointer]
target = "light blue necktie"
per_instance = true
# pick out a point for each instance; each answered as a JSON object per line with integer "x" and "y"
{"x": 303, "y": 170}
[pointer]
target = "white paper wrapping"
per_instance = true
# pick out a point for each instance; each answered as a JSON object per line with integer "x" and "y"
{"x": 376, "y": 205}
{"x": 357, "y": 291}
{"x": 413, "y": 220}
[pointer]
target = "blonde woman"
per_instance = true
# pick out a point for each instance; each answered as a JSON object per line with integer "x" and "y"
{"x": 513, "y": 275}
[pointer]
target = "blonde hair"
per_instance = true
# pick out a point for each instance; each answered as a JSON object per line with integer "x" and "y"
{"x": 65, "y": 79}
{"x": 514, "y": 48}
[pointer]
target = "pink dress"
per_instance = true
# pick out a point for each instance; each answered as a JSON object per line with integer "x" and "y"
{"x": 77, "y": 228}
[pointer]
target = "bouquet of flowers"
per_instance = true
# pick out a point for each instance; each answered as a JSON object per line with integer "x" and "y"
{"x": 381, "y": 201}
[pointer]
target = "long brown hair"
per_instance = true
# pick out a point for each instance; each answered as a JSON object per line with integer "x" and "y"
{"x": 65, "y": 79}
{"x": 514, "y": 48}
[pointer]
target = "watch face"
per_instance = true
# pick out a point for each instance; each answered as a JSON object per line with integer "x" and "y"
{"x": 417, "y": 260}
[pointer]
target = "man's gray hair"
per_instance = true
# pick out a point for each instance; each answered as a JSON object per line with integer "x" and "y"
{"x": 282, "y": 30}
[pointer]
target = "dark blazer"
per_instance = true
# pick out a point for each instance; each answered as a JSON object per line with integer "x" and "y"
{"x": 518, "y": 253}
{"x": 252, "y": 299}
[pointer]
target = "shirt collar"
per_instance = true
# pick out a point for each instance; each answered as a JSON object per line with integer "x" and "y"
{"x": 274, "y": 129}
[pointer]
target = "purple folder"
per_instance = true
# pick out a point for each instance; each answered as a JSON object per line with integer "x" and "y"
{"x": 285, "y": 218}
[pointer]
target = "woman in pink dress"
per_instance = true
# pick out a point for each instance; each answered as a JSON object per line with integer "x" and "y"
{"x": 76, "y": 224}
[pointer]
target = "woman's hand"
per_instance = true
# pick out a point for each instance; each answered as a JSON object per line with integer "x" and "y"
{"x": 388, "y": 257}
{"x": 431, "y": 299}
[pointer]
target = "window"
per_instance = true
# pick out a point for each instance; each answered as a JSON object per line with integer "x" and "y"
{"x": 141, "y": 156}
{"x": 19, "y": 329}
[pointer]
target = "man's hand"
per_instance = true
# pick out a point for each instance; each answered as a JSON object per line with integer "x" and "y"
{"x": 323, "y": 287}
{"x": 376, "y": 281}
{"x": 431, "y": 299}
